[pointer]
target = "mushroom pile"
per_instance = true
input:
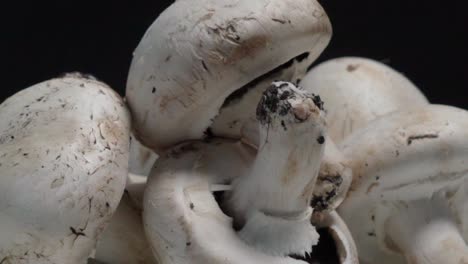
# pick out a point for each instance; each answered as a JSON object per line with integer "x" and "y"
{"x": 227, "y": 150}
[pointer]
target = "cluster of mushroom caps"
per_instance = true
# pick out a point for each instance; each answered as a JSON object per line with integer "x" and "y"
{"x": 255, "y": 154}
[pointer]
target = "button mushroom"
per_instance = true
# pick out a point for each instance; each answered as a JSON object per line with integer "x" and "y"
{"x": 63, "y": 165}
{"x": 196, "y": 57}
{"x": 398, "y": 207}
{"x": 269, "y": 198}
{"x": 358, "y": 90}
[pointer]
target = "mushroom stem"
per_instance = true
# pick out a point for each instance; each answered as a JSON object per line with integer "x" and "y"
{"x": 272, "y": 202}
{"x": 425, "y": 231}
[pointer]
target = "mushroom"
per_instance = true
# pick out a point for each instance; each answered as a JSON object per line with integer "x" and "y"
{"x": 195, "y": 59}
{"x": 63, "y": 165}
{"x": 358, "y": 90}
{"x": 124, "y": 240}
{"x": 181, "y": 217}
{"x": 401, "y": 205}
{"x": 207, "y": 66}
{"x": 183, "y": 220}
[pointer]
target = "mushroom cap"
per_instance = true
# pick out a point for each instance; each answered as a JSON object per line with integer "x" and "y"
{"x": 358, "y": 90}
{"x": 63, "y": 165}
{"x": 184, "y": 222}
{"x": 181, "y": 217}
{"x": 403, "y": 156}
{"x": 194, "y": 56}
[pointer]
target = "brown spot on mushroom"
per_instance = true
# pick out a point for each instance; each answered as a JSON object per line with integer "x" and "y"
{"x": 372, "y": 186}
{"x": 281, "y": 21}
{"x": 352, "y": 67}
{"x": 204, "y": 18}
{"x": 247, "y": 48}
{"x": 186, "y": 227}
{"x": 208, "y": 135}
{"x": 167, "y": 99}
{"x": 327, "y": 186}
{"x": 419, "y": 137}
{"x": 77, "y": 233}
{"x": 318, "y": 101}
{"x": 321, "y": 140}
{"x": 57, "y": 182}
{"x": 284, "y": 125}
{"x": 434, "y": 179}
{"x": 291, "y": 169}
{"x": 204, "y": 66}
{"x": 177, "y": 152}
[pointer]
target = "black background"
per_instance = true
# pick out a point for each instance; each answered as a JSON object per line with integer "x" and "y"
{"x": 426, "y": 40}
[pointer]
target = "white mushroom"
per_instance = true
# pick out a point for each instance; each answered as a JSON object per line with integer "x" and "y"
{"x": 358, "y": 90}
{"x": 182, "y": 220}
{"x": 63, "y": 165}
{"x": 397, "y": 208}
{"x": 185, "y": 224}
{"x": 196, "y": 57}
